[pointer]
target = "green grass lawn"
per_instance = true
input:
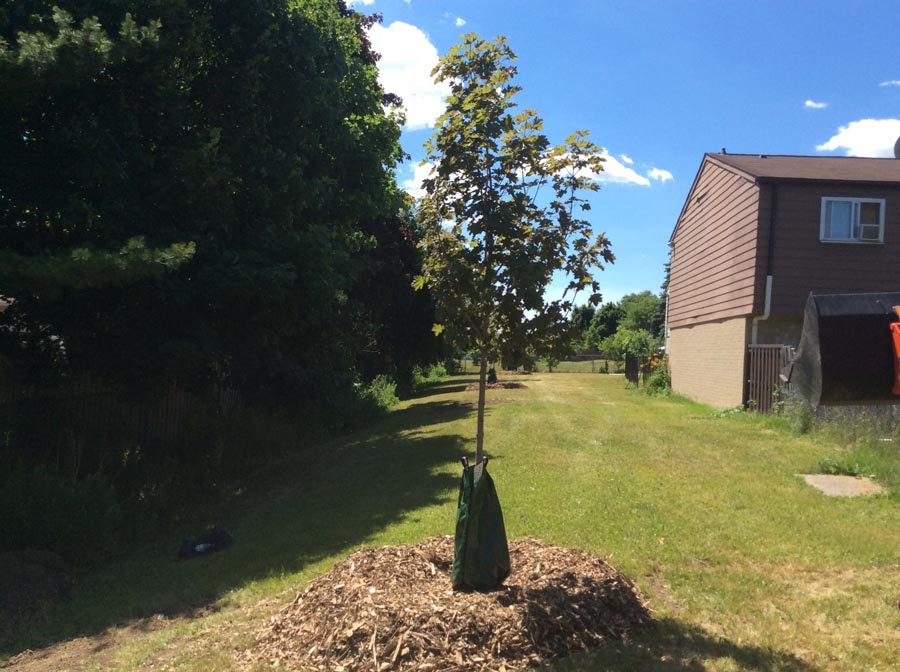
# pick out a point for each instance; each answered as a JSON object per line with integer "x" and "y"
{"x": 745, "y": 566}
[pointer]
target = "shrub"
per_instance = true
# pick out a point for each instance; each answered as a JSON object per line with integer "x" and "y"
{"x": 638, "y": 343}
{"x": 836, "y": 467}
{"x": 658, "y": 383}
{"x": 428, "y": 375}
{"x": 46, "y": 510}
{"x": 381, "y": 393}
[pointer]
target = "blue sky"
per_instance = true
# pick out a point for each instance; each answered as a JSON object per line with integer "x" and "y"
{"x": 658, "y": 84}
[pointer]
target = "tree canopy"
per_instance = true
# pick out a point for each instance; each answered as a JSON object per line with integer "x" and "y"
{"x": 195, "y": 188}
{"x": 604, "y": 323}
{"x": 492, "y": 246}
{"x": 581, "y": 319}
{"x": 641, "y": 311}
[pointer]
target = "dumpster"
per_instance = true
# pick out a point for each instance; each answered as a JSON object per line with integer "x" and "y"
{"x": 846, "y": 353}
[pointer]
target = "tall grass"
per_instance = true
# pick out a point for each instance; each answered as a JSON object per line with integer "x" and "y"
{"x": 865, "y": 442}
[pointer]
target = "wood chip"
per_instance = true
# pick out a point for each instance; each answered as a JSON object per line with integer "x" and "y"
{"x": 555, "y": 602}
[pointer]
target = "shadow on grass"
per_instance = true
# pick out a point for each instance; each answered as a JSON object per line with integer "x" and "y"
{"x": 458, "y": 383}
{"x": 448, "y": 386}
{"x": 289, "y": 516}
{"x": 674, "y": 646}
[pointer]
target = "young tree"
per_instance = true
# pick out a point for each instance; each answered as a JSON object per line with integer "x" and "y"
{"x": 635, "y": 342}
{"x": 492, "y": 245}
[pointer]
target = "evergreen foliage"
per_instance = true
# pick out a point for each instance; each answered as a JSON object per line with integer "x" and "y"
{"x": 604, "y": 323}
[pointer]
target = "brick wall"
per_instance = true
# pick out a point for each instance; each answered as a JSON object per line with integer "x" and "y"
{"x": 707, "y": 361}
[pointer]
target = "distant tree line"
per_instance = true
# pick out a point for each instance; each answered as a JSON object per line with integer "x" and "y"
{"x": 634, "y": 325}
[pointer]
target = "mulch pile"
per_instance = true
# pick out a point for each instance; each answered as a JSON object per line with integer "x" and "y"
{"x": 496, "y": 386}
{"x": 392, "y": 608}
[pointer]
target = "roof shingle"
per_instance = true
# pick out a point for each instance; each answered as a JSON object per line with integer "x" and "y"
{"x": 833, "y": 168}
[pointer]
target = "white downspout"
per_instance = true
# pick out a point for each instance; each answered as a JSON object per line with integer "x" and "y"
{"x": 765, "y": 315}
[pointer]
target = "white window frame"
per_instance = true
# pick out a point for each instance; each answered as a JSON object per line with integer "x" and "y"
{"x": 854, "y": 220}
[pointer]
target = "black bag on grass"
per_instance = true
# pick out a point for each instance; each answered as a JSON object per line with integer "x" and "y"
{"x": 481, "y": 559}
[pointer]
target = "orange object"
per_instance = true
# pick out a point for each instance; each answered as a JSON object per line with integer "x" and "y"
{"x": 895, "y": 337}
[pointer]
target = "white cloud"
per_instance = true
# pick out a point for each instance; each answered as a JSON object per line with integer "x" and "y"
{"x": 460, "y": 22}
{"x": 615, "y": 172}
{"x": 413, "y": 186}
{"x": 866, "y": 137}
{"x": 660, "y": 175}
{"x": 365, "y": 3}
{"x": 813, "y": 105}
{"x": 891, "y": 82}
{"x": 407, "y": 58}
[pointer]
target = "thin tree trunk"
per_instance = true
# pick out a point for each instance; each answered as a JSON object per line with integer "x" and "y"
{"x": 482, "y": 386}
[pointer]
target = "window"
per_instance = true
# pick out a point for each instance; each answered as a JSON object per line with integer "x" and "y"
{"x": 852, "y": 220}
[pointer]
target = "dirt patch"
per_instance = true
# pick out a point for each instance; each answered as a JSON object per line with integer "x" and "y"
{"x": 504, "y": 385}
{"x": 843, "y": 486}
{"x": 662, "y": 591}
{"x": 392, "y": 608}
{"x": 77, "y": 653}
{"x": 97, "y": 651}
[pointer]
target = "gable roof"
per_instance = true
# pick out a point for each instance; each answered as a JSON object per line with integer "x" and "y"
{"x": 774, "y": 167}
{"x": 817, "y": 168}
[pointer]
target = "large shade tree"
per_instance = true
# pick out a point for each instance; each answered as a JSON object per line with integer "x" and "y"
{"x": 193, "y": 189}
{"x": 504, "y": 210}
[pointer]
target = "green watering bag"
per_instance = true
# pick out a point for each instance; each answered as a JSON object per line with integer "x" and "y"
{"x": 481, "y": 559}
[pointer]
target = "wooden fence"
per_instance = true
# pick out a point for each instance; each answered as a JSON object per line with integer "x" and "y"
{"x": 765, "y": 365}
{"x": 46, "y": 418}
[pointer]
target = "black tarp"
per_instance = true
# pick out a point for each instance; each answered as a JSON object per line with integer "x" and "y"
{"x": 845, "y": 354}
{"x": 481, "y": 559}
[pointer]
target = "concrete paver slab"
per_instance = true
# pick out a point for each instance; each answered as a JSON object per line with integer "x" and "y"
{"x": 843, "y": 486}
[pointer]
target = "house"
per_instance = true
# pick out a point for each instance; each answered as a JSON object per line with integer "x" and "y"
{"x": 756, "y": 235}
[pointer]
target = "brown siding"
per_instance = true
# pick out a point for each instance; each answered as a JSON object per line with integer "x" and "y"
{"x": 715, "y": 249}
{"x": 707, "y": 361}
{"x": 802, "y": 264}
